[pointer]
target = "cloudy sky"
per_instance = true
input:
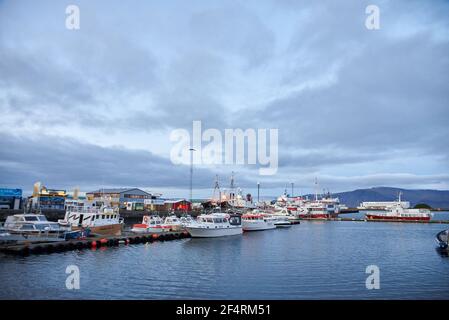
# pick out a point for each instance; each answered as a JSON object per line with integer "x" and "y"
{"x": 95, "y": 107}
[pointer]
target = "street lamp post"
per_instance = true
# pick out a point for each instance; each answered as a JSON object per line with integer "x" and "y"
{"x": 191, "y": 175}
{"x": 292, "y": 188}
{"x": 258, "y": 192}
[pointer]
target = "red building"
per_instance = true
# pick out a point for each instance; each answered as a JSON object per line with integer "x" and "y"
{"x": 178, "y": 205}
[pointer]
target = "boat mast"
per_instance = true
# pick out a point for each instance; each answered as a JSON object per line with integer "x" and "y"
{"x": 217, "y": 187}
{"x": 232, "y": 190}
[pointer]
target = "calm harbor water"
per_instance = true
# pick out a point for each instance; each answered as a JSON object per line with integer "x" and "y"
{"x": 313, "y": 260}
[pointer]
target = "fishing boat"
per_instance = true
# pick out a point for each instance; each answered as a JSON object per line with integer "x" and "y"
{"x": 102, "y": 220}
{"x": 397, "y": 213}
{"x": 257, "y": 222}
{"x": 316, "y": 211}
{"x": 442, "y": 238}
{"x": 151, "y": 224}
{"x": 216, "y": 224}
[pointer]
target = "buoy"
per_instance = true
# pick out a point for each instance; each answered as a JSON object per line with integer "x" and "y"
{"x": 103, "y": 241}
{"x": 155, "y": 236}
{"x": 94, "y": 244}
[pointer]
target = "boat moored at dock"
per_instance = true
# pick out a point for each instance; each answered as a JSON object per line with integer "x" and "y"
{"x": 30, "y": 227}
{"x": 397, "y": 213}
{"x": 30, "y": 223}
{"x": 281, "y": 221}
{"x": 151, "y": 224}
{"x": 257, "y": 221}
{"x": 173, "y": 222}
{"x": 214, "y": 225}
{"x": 103, "y": 220}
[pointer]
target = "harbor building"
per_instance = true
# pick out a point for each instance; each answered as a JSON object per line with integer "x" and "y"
{"x": 49, "y": 199}
{"x": 155, "y": 204}
{"x": 177, "y": 205}
{"x": 382, "y": 205}
{"x": 10, "y": 198}
{"x": 124, "y": 198}
{"x": 77, "y": 201}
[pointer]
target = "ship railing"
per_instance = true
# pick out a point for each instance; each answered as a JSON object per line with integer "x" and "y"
{"x": 84, "y": 210}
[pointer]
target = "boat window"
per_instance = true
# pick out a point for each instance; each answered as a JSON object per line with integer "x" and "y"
{"x": 103, "y": 216}
{"x": 29, "y": 218}
{"x": 42, "y": 218}
{"x": 209, "y": 220}
{"x": 42, "y": 226}
{"x": 234, "y": 220}
{"x": 27, "y": 227}
{"x": 93, "y": 217}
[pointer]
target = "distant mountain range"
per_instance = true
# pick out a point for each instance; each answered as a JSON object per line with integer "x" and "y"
{"x": 434, "y": 198}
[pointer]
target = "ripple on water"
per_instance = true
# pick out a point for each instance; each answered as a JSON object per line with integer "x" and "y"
{"x": 313, "y": 260}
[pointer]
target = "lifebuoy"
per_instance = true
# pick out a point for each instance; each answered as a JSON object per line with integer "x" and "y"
{"x": 145, "y": 219}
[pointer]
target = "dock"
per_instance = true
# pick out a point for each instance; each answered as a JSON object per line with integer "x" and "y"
{"x": 90, "y": 243}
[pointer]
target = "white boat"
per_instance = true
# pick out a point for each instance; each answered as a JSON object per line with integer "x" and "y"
{"x": 257, "y": 222}
{"x": 31, "y": 224}
{"x": 186, "y": 219}
{"x": 281, "y": 221}
{"x": 151, "y": 224}
{"x": 173, "y": 222}
{"x": 216, "y": 224}
{"x": 31, "y": 227}
{"x": 103, "y": 220}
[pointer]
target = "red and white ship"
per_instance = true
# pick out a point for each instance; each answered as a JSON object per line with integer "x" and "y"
{"x": 397, "y": 213}
{"x": 315, "y": 211}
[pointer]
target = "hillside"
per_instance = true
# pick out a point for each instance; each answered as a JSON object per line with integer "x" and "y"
{"x": 434, "y": 198}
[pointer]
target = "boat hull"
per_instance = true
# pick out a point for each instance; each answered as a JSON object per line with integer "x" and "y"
{"x": 197, "y": 232}
{"x": 315, "y": 217}
{"x": 106, "y": 230}
{"x": 282, "y": 224}
{"x": 258, "y": 225}
{"x": 374, "y": 217}
{"x": 149, "y": 230}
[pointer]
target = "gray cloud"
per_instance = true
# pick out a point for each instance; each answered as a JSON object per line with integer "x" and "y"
{"x": 367, "y": 105}
{"x": 68, "y": 163}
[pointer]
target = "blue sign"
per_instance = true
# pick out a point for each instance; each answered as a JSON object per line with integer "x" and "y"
{"x": 10, "y": 192}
